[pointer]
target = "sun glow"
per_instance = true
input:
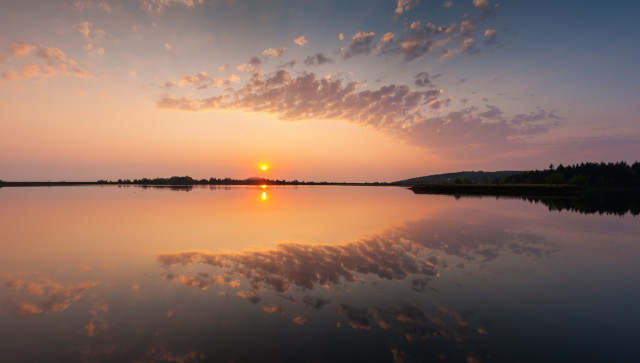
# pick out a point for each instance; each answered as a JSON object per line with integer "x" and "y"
{"x": 264, "y": 167}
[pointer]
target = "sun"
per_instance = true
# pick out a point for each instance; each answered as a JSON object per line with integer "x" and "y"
{"x": 264, "y": 167}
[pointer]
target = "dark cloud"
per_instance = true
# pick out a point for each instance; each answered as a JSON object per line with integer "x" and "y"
{"x": 315, "y": 302}
{"x": 493, "y": 112}
{"x": 289, "y": 64}
{"x": 361, "y": 43}
{"x": 422, "y": 80}
{"x": 317, "y": 60}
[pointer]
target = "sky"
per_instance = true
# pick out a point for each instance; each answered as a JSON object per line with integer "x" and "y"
{"x": 374, "y": 90}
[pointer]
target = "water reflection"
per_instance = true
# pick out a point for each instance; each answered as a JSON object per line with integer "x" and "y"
{"x": 410, "y": 278}
{"x": 615, "y": 202}
{"x": 369, "y": 284}
{"x": 413, "y": 249}
{"x": 42, "y": 297}
{"x": 599, "y": 201}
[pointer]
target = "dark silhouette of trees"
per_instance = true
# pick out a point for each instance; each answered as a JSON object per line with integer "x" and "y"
{"x": 618, "y": 174}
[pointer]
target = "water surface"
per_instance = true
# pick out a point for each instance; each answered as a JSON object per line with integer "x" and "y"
{"x": 321, "y": 273}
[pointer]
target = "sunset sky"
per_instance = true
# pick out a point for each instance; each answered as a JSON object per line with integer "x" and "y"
{"x": 372, "y": 90}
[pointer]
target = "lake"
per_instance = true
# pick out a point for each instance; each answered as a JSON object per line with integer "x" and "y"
{"x": 313, "y": 273}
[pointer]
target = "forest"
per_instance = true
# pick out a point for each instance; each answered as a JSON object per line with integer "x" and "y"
{"x": 618, "y": 174}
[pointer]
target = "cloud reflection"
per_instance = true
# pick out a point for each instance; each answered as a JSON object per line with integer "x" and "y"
{"x": 300, "y": 281}
{"x": 414, "y": 250}
{"x": 55, "y": 297}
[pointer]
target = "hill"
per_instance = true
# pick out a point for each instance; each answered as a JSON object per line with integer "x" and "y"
{"x": 467, "y": 177}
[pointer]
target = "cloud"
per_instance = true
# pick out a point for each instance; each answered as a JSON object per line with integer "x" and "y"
{"x": 361, "y": 43}
{"x": 167, "y": 46}
{"x": 250, "y": 66}
{"x": 289, "y": 64}
{"x": 81, "y": 5}
{"x": 317, "y": 60}
{"x": 439, "y": 104}
{"x": 484, "y": 8}
{"x": 387, "y": 37}
{"x": 418, "y": 40}
{"x": 490, "y": 33}
{"x": 24, "y": 309}
{"x": 159, "y": 5}
{"x": 301, "y": 40}
{"x": 403, "y": 6}
{"x": 447, "y": 4}
{"x": 92, "y": 35}
{"x": 200, "y": 81}
{"x": 20, "y": 48}
{"x": 55, "y": 62}
{"x": 395, "y": 110}
{"x": 490, "y": 37}
{"x": 273, "y": 53}
{"x": 27, "y": 71}
{"x": 422, "y": 80}
{"x": 340, "y": 36}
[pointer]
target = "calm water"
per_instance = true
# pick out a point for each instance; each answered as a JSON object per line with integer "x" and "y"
{"x": 311, "y": 274}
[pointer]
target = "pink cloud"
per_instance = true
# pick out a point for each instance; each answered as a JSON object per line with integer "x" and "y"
{"x": 26, "y": 309}
{"x": 300, "y": 320}
{"x": 20, "y": 48}
{"x": 159, "y": 5}
{"x": 403, "y": 6}
{"x": 301, "y": 40}
{"x": 273, "y": 53}
{"x": 81, "y": 5}
{"x": 395, "y": 110}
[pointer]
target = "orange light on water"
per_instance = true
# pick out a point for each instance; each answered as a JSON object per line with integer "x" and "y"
{"x": 264, "y": 196}
{"x": 263, "y": 186}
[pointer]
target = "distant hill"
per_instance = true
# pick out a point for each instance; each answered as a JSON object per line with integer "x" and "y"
{"x": 467, "y": 177}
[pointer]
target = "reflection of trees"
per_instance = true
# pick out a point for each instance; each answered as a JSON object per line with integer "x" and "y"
{"x": 616, "y": 202}
{"x": 185, "y": 188}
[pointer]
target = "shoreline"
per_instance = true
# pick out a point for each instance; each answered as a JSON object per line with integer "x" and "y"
{"x": 248, "y": 183}
{"x": 519, "y": 190}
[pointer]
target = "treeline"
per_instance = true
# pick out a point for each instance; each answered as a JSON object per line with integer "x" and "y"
{"x": 187, "y": 180}
{"x": 618, "y": 174}
{"x": 460, "y": 177}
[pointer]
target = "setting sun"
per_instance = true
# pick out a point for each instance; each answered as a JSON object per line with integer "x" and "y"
{"x": 264, "y": 167}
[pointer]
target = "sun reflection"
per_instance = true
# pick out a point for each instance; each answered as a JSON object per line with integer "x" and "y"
{"x": 263, "y": 186}
{"x": 264, "y": 196}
